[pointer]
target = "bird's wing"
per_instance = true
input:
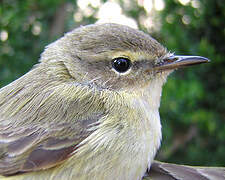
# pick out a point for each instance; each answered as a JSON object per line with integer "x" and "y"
{"x": 168, "y": 171}
{"x": 31, "y": 149}
{"x": 41, "y": 125}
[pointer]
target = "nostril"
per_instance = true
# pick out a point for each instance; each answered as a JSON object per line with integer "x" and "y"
{"x": 170, "y": 60}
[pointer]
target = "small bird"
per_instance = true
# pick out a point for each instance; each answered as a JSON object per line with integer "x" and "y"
{"x": 89, "y": 108}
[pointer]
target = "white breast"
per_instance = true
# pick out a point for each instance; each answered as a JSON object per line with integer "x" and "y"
{"x": 150, "y": 136}
{"x": 147, "y": 103}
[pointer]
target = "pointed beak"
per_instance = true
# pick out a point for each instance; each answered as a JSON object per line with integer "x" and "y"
{"x": 176, "y": 61}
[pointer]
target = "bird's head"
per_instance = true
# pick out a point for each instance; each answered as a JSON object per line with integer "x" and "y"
{"x": 113, "y": 56}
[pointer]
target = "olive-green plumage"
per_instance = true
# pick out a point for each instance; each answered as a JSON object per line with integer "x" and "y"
{"x": 89, "y": 109}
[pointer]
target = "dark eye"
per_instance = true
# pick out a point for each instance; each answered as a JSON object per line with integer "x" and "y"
{"x": 121, "y": 64}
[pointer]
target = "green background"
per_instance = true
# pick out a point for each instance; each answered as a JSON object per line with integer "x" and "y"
{"x": 193, "y": 101}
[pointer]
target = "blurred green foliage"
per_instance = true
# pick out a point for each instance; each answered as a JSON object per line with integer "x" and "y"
{"x": 196, "y": 96}
{"x": 193, "y": 101}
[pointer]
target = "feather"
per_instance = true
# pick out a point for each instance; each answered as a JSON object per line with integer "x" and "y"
{"x": 41, "y": 149}
{"x": 168, "y": 171}
{"x": 42, "y": 124}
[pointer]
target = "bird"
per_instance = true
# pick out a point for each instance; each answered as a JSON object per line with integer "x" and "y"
{"x": 89, "y": 109}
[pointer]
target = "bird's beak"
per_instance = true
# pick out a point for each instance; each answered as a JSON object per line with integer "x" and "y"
{"x": 176, "y": 61}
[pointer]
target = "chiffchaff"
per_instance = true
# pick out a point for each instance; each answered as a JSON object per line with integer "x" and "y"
{"x": 89, "y": 109}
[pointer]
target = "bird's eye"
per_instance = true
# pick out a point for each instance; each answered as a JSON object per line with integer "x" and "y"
{"x": 121, "y": 64}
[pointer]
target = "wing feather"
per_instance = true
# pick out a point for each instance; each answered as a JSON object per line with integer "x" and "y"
{"x": 42, "y": 122}
{"x": 168, "y": 171}
{"x": 41, "y": 149}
